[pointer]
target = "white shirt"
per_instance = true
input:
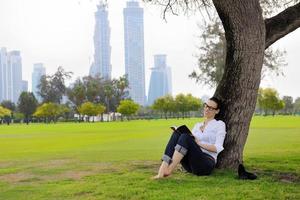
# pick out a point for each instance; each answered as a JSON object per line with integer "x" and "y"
{"x": 213, "y": 134}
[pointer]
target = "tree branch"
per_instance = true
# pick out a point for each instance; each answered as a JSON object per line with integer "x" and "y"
{"x": 282, "y": 24}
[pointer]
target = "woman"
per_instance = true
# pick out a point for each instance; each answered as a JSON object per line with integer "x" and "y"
{"x": 198, "y": 153}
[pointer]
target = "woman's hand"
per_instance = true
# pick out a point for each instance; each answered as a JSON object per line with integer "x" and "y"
{"x": 208, "y": 147}
{"x": 198, "y": 141}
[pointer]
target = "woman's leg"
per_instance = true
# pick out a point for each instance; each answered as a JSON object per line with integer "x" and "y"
{"x": 201, "y": 163}
{"x": 195, "y": 161}
{"x": 167, "y": 157}
{"x": 170, "y": 148}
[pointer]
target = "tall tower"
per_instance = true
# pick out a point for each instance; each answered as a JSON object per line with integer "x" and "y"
{"x": 134, "y": 51}
{"x": 10, "y": 75}
{"x": 3, "y": 74}
{"x": 160, "y": 81}
{"x": 102, "y": 53}
{"x": 38, "y": 71}
{"x": 15, "y": 75}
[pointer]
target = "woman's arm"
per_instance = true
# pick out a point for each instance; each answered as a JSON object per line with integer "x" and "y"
{"x": 208, "y": 147}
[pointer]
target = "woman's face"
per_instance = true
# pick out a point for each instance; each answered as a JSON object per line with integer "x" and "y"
{"x": 210, "y": 109}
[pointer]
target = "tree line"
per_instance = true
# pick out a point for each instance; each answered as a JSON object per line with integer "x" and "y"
{"x": 269, "y": 103}
{"x": 89, "y": 97}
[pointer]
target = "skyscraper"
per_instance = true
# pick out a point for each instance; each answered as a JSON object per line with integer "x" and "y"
{"x": 102, "y": 53}
{"x": 15, "y": 63}
{"x": 3, "y": 74}
{"x": 134, "y": 51}
{"x": 24, "y": 86}
{"x": 161, "y": 80}
{"x": 38, "y": 71}
{"x": 10, "y": 75}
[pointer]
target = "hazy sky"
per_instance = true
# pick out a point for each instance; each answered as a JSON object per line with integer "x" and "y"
{"x": 60, "y": 33}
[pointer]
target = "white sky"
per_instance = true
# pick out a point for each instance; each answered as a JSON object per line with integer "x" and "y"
{"x": 60, "y": 32}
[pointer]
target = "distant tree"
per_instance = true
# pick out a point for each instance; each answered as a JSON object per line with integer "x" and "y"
{"x": 65, "y": 111}
{"x": 18, "y": 117}
{"x": 90, "y": 109}
{"x": 127, "y": 108}
{"x": 10, "y": 106}
{"x": 49, "y": 111}
{"x": 120, "y": 87}
{"x": 165, "y": 105}
{"x": 269, "y": 101}
{"x": 77, "y": 95}
{"x": 5, "y": 115}
{"x": 159, "y": 105}
{"x": 87, "y": 108}
{"x": 145, "y": 112}
{"x": 100, "y": 109}
{"x": 108, "y": 95}
{"x": 194, "y": 104}
{"x": 93, "y": 86}
{"x": 4, "y": 111}
{"x": 181, "y": 104}
{"x": 297, "y": 106}
{"x": 98, "y": 90}
{"x": 288, "y": 105}
{"x": 52, "y": 88}
{"x": 258, "y": 108}
{"x": 27, "y": 105}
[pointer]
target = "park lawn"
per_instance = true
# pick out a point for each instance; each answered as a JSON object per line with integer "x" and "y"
{"x": 115, "y": 160}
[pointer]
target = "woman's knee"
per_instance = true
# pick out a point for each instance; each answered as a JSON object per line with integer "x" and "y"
{"x": 175, "y": 136}
{"x": 185, "y": 138}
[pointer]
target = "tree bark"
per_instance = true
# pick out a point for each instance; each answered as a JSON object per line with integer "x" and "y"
{"x": 282, "y": 24}
{"x": 245, "y": 38}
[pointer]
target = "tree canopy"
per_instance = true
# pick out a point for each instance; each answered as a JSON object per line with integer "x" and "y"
{"x": 27, "y": 104}
{"x": 269, "y": 100}
{"x": 52, "y": 88}
{"x": 127, "y": 108}
{"x": 4, "y": 112}
{"x": 91, "y": 109}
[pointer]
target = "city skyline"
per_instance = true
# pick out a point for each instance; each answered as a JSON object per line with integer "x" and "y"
{"x": 65, "y": 40}
{"x": 102, "y": 49}
{"x": 134, "y": 51}
{"x": 161, "y": 80}
{"x": 11, "y": 84}
{"x": 39, "y": 70}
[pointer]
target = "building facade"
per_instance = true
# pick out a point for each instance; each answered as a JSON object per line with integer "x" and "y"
{"x": 102, "y": 49}
{"x": 160, "y": 80}
{"x": 38, "y": 71}
{"x": 10, "y": 75}
{"x": 3, "y": 74}
{"x": 134, "y": 51}
{"x": 24, "y": 86}
{"x": 15, "y": 62}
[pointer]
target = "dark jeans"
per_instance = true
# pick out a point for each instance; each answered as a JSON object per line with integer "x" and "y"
{"x": 195, "y": 160}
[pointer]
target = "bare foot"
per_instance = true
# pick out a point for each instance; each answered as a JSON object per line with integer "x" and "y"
{"x": 157, "y": 177}
{"x": 165, "y": 174}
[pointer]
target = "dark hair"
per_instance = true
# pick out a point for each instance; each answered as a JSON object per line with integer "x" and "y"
{"x": 219, "y": 106}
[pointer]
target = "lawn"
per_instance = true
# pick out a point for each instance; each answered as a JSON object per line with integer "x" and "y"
{"x": 115, "y": 160}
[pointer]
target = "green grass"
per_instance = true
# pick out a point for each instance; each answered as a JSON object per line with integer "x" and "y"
{"x": 116, "y": 160}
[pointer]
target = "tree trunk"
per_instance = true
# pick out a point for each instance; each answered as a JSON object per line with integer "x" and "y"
{"x": 245, "y": 38}
{"x": 27, "y": 120}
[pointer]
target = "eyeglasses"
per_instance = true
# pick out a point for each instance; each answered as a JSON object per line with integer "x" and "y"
{"x": 209, "y": 107}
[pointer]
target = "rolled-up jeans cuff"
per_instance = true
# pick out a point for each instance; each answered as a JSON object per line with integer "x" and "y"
{"x": 167, "y": 159}
{"x": 181, "y": 149}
